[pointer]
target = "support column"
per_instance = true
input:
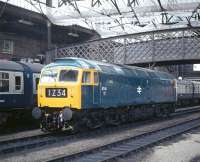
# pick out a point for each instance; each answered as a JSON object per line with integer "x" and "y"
{"x": 49, "y": 4}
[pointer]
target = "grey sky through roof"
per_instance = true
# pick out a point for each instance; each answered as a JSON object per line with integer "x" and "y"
{"x": 117, "y": 17}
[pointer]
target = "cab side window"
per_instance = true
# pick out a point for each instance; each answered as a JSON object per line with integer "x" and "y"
{"x": 86, "y": 77}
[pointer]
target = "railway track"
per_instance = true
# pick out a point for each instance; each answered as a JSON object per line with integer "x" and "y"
{"x": 126, "y": 146}
{"x": 40, "y": 140}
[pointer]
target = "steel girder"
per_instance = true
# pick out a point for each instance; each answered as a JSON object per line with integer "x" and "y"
{"x": 149, "y": 47}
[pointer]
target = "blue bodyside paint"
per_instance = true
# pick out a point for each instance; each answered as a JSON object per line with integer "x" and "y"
{"x": 11, "y": 101}
{"x": 28, "y": 87}
{"x": 87, "y": 96}
{"x": 27, "y": 99}
{"x": 117, "y": 90}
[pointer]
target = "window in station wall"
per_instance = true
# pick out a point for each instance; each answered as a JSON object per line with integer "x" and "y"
{"x": 6, "y": 46}
{"x": 196, "y": 67}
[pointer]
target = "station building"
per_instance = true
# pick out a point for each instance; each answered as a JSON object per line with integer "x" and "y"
{"x": 23, "y": 33}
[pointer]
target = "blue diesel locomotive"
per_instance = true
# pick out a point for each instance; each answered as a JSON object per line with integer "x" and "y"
{"x": 18, "y": 87}
{"x": 76, "y": 92}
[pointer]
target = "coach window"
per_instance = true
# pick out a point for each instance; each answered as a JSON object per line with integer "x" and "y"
{"x": 6, "y": 46}
{"x": 4, "y": 82}
{"x": 96, "y": 78}
{"x": 86, "y": 77}
{"x": 17, "y": 83}
{"x": 36, "y": 78}
{"x": 36, "y": 83}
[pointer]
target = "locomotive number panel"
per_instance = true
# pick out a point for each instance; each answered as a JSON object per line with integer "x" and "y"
{"x": 56, "y": 92}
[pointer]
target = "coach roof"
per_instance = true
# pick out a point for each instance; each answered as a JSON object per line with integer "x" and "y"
{"x": 35, "y": 67}
{"x": 10, "y": 65}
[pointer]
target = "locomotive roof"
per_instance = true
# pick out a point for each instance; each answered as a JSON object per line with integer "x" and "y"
{"x": 10, "y": 65}
{"x": 77, "y": 62}
{"x": 107, "y": 67}
{"x": 35, "y": 67}
{"x": 83, "y": 63}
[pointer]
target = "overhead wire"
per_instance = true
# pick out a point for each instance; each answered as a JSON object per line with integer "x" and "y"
{"x": 97, "y": 12}
{"x": 40, "y": 7}
{"x": 31, "y": 3}
{"x": 193, "y": 12}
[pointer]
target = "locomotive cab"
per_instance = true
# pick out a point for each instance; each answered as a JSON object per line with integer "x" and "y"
{"x": 63, "y": 87}
{"x": 59, "y": 88}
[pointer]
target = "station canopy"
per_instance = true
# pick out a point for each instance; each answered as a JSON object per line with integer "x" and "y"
{"x": 118, "y": 17}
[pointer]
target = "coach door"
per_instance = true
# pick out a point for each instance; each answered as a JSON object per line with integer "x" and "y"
{"x": 18, "y": 83}
{"x": 96, "y": 95}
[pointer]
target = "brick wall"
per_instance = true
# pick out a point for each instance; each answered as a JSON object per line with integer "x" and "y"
{"x": 23, "y": 47}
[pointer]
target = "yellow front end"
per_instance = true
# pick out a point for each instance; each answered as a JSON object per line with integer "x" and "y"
{"x": 58, "y": 93}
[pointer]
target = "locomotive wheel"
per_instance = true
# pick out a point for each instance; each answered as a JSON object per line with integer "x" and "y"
{"x": 113, "y": 119}
{"x": 94, "y": 125}
{"x": 43, "y": 129}
{"x": 165, "y": 112}
{"x": 94, "y": 121}
{"x": 68, "y": 127}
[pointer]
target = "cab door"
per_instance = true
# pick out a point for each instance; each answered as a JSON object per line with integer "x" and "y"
{"x": 96, "y": 88}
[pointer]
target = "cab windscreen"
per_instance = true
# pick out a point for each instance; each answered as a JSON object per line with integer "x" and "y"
{"x": 68, "y": 75}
